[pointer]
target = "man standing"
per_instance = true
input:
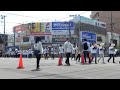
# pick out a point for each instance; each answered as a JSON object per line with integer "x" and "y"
{"x": 68, "y": 49}
{"x": 86, "y": 49}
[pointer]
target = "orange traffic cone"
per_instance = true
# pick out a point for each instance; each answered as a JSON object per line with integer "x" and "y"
{"x": 60, "y": 61}
{"x": 82, "y": 58}
{"x": 20, "y": 65}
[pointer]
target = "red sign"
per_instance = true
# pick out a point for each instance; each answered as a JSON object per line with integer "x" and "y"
{"x": 19, "y": 28}
{"x": 40, "y": 33}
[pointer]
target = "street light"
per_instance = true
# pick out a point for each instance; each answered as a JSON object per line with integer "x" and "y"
{"x": 3, "y": 17}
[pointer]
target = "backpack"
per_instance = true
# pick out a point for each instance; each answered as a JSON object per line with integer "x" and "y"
{"x": 85, "y": 46}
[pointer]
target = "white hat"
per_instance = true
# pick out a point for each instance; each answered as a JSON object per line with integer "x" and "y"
{"x": 102, "y": 44}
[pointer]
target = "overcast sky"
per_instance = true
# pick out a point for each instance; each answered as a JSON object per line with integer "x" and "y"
{"x": 14, "y": 18}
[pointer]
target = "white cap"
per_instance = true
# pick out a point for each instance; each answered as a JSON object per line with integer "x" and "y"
{"x": 112, "y": 44}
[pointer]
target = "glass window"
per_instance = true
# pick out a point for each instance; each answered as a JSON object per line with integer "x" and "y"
{"x": 99, "y": 39}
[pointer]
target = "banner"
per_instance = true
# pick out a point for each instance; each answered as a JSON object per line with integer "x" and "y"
{"x": 62, "y": 28}
{"x": 62, "y": 25}
{"x": 35, "y": 27}
{"x": 91, "y": 37}
{"x": 59, "y": 39}
{"x": 19, "y": 28}
{"x": 43, "y": 28}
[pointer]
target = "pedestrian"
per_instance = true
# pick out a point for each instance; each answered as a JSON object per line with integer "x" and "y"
{"x": 73, "y": 53}
{"x": 77, "y": 54}
{"x": 101, "y": 52}
{"x": 94, "y": 53}
{"x": 61, "y": 51}
{"x": 52, "y": 52}
{"x": 67, "y": 49}
{"x": 46, "y": 51}
{"x": 86, "y": 49}
{"x": 111, "y": 52}
{"x": 16, "y": 52}
{"x": 38, "y": 50}
{"x": 30, "y": 53}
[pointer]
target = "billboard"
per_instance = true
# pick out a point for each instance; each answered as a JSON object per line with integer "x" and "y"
{"x": 41, "y": 28}
{"x": 62, "y": 25}
{"x": 62, "y": 28}
{"x": 91, "y": 37}
{"x": 58, "y": 39}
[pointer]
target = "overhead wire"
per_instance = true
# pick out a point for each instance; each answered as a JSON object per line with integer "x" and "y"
{"x": 37, "y": 18}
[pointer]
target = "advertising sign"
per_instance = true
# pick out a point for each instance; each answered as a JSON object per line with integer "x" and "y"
{"x": 62, "y": 28}
{"x": 19, "y": 28}
{"x": 91, "y": 37}
{"x": 57, "y": 39}
{"x": 62, "y": 25}
{"x": 41, "y": 29}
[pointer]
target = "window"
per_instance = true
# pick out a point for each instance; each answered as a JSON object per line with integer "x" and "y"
{"x": 25, "y": 39}
{"x": 99, "y": 39}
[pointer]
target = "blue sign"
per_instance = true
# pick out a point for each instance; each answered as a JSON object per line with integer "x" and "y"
{"x": 62, "y": 25}
{"x": 91, "y": 37}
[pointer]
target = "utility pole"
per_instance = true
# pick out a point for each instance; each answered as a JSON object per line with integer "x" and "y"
{"x": 3, "y": 17}
{"x": 111, "y": 28}
{"x": 14, "y": 37}
{"x": 79, "y": 31}
{"x": 69, "y": 31}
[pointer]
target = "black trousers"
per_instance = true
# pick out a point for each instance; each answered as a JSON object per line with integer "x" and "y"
{"x": 86, "y": 55}
{"x": 46, "y": 56}
{"x": 110, "y": 56}
{"x": 38, "y": 57}
{"x": 78, "y": 57}
{"x": 73, "y": 56}
{"x": 67, "y": 58}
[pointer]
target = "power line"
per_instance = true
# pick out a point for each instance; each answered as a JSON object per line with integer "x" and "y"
{"x": 35, "y": 17}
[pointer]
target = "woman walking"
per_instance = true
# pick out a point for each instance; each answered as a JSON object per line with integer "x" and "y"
{"x": 38, "y": 50}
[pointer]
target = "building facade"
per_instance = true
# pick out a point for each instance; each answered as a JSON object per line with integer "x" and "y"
{"x": 83, "y": 24}
{"x": 55, "y": 33}
{"x": 112, "y": 20}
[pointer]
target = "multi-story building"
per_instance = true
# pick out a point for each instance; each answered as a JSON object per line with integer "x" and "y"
{"x": 112, "y": 20}
{"x": 55, "y": 33}
{"x": 83, "y": 24}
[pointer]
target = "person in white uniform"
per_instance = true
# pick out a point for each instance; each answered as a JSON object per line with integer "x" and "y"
{"x": 101, "y": 52}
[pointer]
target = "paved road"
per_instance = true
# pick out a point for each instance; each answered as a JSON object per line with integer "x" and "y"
{"x": 50, "y": 70}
